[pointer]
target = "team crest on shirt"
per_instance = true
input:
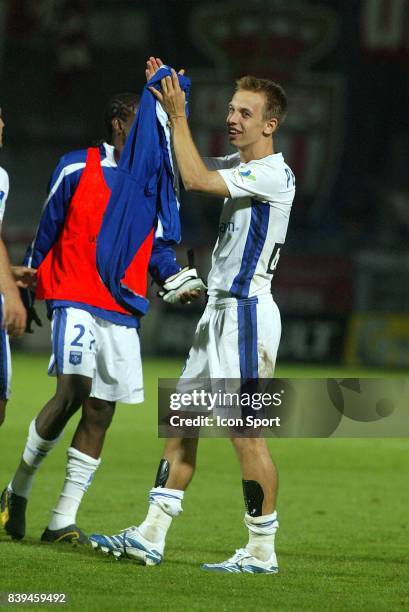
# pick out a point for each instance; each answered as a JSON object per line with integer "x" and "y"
{"x": 247, "y": 174}
{"x": 1, "y": 196}
{"x": 75, "y": 357}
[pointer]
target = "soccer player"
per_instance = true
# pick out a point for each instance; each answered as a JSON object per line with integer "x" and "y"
{"x": 95, "y": 342}
{"x": 239, "y": 332}
{"x": 12, "y": 312}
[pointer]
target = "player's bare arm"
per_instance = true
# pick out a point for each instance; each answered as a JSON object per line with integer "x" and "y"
{"x": 153, "y": 64}
{"x": 14, "y": 313}
{"x": 195, "y": 175}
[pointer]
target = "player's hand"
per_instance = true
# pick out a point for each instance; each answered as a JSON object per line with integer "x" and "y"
{"x": 14, "y": 314}
{"x": 182, "y": 287}
{"x": 172, "y": 97}
{"x": 26, "y": 278}
{"x": 188, "y": 296}
{"x": 153, "y": 65}
{"x": 32, "y": 317}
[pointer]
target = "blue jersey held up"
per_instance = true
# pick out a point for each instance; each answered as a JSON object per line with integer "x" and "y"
{"x": 142, "y": 197}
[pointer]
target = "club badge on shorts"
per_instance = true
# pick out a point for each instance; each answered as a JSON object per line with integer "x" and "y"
{"x": 75, "y": 357}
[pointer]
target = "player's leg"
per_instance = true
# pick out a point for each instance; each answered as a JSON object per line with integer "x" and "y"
{"x": 72, "y": 391}
{"x": 43, "y": 434}
{"x": 146, "y": 543}
{"x": 118, "y": 376}
{"x": 258, "y": 332}
{"x": 175, "y": 472}
{"x": 74, "y": 380}
{"x": 45, "y": 431}
{"x": 260, "y": 487}
{"x": 82, "y": 463}
{"x": 97, "y": 415}
{"x": 256, "y": 465}
{"x": 260, "y": 483}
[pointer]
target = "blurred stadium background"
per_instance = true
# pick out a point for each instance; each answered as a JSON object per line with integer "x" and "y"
{"x": 342, "y": 283}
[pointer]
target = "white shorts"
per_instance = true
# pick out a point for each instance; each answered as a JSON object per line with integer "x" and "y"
{"x": 5, "y": 364}
{"x": 110, "y": 354}
{"x": 235, "y": 338}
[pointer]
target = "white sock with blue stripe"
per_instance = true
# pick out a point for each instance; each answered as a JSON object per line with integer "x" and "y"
{"x": 35, "y": 451}
{"x": 164, "y": 505}
{"x": 262, "y": 530}
{"x": 81, "y": 469}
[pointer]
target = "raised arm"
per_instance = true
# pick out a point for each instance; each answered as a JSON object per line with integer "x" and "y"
{"x": 195, "y": 175}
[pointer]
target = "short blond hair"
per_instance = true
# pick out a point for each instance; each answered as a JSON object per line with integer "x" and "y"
{"x": 276, "y": 100}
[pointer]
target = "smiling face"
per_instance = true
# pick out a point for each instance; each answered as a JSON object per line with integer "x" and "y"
{"x": 248, "y": 129}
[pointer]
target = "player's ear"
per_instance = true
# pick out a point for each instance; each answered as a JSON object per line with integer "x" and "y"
{"x": 270, "y": 126}
{"x": 117, "y": 124}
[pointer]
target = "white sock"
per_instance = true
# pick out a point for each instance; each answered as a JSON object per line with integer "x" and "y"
{"x": 164, "y": 505}
{"x": 35, "y": 450}
{"x": 262, "y": 530}
{"x": 79, "y": 475}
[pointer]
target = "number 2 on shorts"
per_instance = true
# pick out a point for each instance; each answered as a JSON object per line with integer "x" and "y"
{"x": 76, "y": 342}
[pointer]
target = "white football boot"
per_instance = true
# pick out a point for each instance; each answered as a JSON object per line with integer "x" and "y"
{"x": 243, "y": 562}
{"x": 129, "y": 543}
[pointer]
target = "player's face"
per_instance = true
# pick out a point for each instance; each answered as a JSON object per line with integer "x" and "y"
{"x": 245, "y": 121}
{"x": 126, "y": 125}
{"x": 1, "y": 129}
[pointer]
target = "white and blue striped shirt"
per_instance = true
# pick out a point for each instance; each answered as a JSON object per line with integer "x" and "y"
{"x": 253, "y": 225}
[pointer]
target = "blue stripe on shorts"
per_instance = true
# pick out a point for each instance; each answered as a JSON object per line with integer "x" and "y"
{"x": 247, "y": 332}
{"x": 3, "y": 364}
{"x": 60, "y": 323}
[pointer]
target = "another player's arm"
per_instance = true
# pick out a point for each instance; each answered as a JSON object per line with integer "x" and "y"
{"x": 26, "y": 278}
{"x": 177, "y": 285}
{"x": 195, "y": 175}
{"x": 14, "y": 313}
{"x": 162, "y": 263}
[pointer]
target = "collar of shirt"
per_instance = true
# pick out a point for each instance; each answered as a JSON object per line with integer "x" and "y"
{"x": 110, "y": 154}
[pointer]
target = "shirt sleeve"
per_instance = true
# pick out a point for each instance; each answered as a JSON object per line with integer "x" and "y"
{"x": 61, "y": 189}
{"x": 218, "y": 163}
{"x": 255, "y": 180}
{"x": 163, "y": 262}
{"x": 4, "y": 191}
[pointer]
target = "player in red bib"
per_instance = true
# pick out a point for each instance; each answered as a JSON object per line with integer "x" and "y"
{"x": 95, "y": 342}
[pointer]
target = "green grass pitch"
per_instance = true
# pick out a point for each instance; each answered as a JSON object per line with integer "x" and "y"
{"x": 343, "y": 509}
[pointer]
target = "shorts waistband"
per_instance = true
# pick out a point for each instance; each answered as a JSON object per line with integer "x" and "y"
{"x": 218, "y": 303}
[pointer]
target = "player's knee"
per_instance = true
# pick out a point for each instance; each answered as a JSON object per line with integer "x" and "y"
{"x": 98, "y": 414}
{"x": 245, "y": 446}
{"x": 190, "y": 451}
{"x": 183, "y": 450}
{"x": 72, "y": 392}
